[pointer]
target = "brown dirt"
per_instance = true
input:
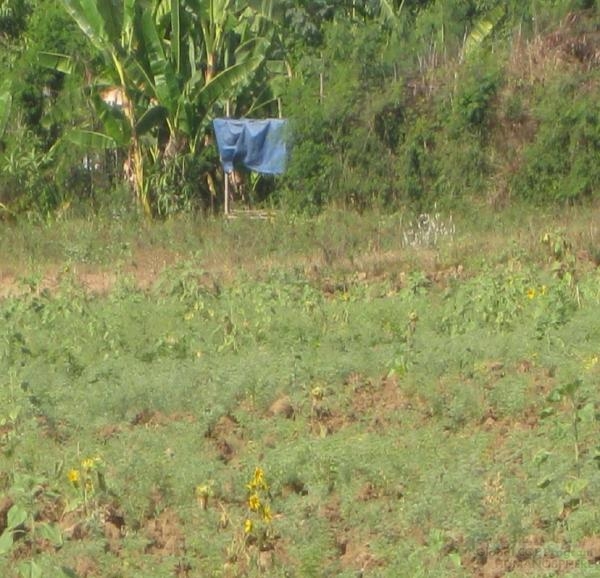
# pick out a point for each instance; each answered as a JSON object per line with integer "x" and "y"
{"x": 55, "y": 430}
{"x": 591, "y": 546}
{"x": 384, "y": 398}
{"x": 151, "y": 418}
{"x": 325, "y": 420}
{"x": 353, "y": 549}
{"x": 368, "y": 492}
{"x": 165, "y": 534}
{"x": 85, "y": 567}
{"x": 527, "y": 560}
{"x": 73, "y": 526}
{"x": 144, "y": 269}
{"x": 109, "y": 431}
{"x": 282, "y": 407}
{"x": 114, "y": 517}
{"x": 227, "y": 437}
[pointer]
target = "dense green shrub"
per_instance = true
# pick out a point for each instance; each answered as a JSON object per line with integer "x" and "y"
{"x": 561, "y": 164}
{"x": 391, "y": 104}
{"x": 27, "y": 183}
{"x": 177, "y": 183}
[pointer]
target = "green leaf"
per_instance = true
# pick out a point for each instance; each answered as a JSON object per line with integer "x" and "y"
{"x": 151, "y": 118}
{"x": 569, "y": 389}
{"x": 165, "y": 84}
{"x": 90, "y": 139}
{"x": 16, "y": 516}
{"x": 176, "y": 34}
{"x": 482, "y": 28}
{"x": 576, "y": 486}
{"x": 388, "y": 13}
{"x": 55, "y": 61}
{"x": 116, "y": 124}
{"x": 14, "y": 413}
{"x": 90, "y": 20}
{"x": 51, "y": 533}
{"x": 455, "y": 558}
{"x": 113, "y": 19}
{"x": 544, "y": 482}
{"x": 6, "y": 542}
{"x": 547, "y": 411}
{"x": 541, "y": 458}
{"x": 587, "y": 414}
{"x": 555, "y": 395}
{"x": 222, "y": 84}
{"x": 30, "y": 569}
{"x": 5, "y": 107}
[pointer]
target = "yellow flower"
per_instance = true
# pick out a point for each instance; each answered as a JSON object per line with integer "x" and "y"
{"x": 254, "y": 502}
{"x": 266, "y": 514}
{"x": 203, "y": 490}
{"x": 203, "y": 493}
{"x": 259, "y": 476}
{"x": 543, "y": 290}
{"x": 248, "y": 526}
{"x": 258, "y": 481}
{"x": 531, "y": 293}
{"x": 88, "y": 464}
{"x": 73, "y": 476}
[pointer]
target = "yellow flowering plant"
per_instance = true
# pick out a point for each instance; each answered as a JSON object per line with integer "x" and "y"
{"x": 203, "y": 492}
{"x": 253, "y": 538}
{"x": 257, "y": 525}
{"x": 87, "y": 480}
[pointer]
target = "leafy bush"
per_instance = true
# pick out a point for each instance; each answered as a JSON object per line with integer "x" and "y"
{"x": 176, "y": 184}
{"x": 27, "y": 181}
{"x": 560, "y": 165}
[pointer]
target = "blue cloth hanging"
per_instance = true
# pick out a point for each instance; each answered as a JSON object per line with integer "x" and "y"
{"x": 259, "y": 145}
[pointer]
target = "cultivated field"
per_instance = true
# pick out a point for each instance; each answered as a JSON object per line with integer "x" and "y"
{"x": 343, "y": 396}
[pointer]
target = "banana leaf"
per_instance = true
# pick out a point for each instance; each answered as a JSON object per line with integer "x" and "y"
{"x": 55, "y": 61}
{"x": 90, "y": 139}
{"x": 5, "y": 107}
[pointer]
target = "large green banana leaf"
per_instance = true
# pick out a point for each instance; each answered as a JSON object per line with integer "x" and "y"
{"x": 90, "y": 139}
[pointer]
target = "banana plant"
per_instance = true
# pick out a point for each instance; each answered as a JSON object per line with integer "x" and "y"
{"x": 111, "y": 29}
{"x": 173, "y": 60}
{"x": 482, "y": 28}
{"x": 182, "y": 75}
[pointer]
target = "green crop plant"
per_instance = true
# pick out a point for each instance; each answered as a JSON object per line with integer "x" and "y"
{"x": 253, "y": 543}
{"x": 422, "y": 472}
{"x": 23, "y": 524}
{"x": 579, "y": 411}
{"x": 88, "y": 483}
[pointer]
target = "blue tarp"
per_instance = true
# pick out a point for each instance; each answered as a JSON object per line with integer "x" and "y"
{"x": 259, "y": 145}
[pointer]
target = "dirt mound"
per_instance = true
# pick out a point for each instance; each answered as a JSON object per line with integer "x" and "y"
{"x": 227, "y": 437}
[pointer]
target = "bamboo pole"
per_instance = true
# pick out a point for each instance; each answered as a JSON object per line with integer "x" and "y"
{"x": 226, "y": 193}
{"x": 225, "y": 173}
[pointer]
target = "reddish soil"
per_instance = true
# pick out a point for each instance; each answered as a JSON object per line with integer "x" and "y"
{"x": 227, "y": 437}
{"x": 165, "y": 534}
{"x": 144, "y": 269}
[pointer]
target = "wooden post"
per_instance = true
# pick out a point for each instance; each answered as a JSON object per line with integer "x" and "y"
{"x": 225, "y": 173}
